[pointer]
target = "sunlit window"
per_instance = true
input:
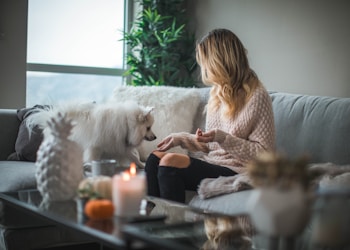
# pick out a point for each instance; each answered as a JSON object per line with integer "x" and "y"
{"x": 74, "y": 50}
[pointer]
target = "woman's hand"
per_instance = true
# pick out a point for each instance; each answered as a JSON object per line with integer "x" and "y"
{"x": 167, "y": 143}
{"x": 184, "y": 140}
{"x": 205, "y": 136}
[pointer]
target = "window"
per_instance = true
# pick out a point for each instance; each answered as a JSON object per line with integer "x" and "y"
{"x": 74, "y": 50}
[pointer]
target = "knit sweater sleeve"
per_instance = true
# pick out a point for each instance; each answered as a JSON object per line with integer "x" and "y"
{"x": 253, "y": 130}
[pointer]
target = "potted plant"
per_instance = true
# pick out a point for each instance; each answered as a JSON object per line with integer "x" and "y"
{"x": 280, "y": 204}
{"x": 161, "y": 50}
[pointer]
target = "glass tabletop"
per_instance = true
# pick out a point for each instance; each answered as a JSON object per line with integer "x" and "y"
{"x": 163, "y": 224}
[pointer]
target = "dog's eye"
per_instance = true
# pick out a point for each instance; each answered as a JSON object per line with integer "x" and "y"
{"x": 148, "y": 128}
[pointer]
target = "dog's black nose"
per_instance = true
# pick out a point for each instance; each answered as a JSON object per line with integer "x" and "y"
{"x": 150, "y": 138}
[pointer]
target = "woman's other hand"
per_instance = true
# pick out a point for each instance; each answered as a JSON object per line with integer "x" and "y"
{"x": 205, "y": 136}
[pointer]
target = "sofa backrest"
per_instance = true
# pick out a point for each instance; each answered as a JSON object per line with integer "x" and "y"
{"x": 316, "y": 126}
{"x": 199, "y": 119}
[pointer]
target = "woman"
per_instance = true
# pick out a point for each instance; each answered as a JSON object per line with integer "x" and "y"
{"x": 239, "y": 123}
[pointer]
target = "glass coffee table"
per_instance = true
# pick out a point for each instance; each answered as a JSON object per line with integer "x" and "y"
{"x": 162, "y": 225}
{"x": 169, "y": 225}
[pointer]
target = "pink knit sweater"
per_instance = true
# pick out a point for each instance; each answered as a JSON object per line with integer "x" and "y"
{"x": 238, "y": 139}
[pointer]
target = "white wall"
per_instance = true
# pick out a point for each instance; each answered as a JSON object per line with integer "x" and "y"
{"x": 13, "y": 27}
{"x": 294, "y": 46}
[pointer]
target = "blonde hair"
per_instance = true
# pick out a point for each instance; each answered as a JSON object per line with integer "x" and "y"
{"x": 224, "y": 65}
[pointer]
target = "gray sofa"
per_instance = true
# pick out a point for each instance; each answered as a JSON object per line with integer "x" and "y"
{"x": 315, "y": 125}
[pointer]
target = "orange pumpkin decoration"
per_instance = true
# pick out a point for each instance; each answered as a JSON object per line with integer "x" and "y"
{"x": 99, "y": 209}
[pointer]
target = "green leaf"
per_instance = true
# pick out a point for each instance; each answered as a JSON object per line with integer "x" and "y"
{"x": 160, "y": 46}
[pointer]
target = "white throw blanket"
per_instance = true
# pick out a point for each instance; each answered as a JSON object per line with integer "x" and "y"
{"x": 211, "y": 187}
{"x": 328, "y": 176}
{"x": 174, "y": 111}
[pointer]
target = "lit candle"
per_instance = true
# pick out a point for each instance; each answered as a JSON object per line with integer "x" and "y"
{"x": 129, "y": 188}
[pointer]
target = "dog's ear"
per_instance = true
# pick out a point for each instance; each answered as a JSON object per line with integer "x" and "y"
{"x": 148, "y": 109}
{"x": 149, "y": 113}
{"x": 145, "y": 116}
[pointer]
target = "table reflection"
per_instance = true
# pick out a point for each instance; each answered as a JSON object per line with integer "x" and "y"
{"x": 228, "y": 233}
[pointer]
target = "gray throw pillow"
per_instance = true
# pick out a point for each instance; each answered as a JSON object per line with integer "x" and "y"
{"x": 27, "y": 145}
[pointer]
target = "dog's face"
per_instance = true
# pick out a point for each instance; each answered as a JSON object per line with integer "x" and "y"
{"x": 147, "y": 120}
{"x": 143, "y": 126}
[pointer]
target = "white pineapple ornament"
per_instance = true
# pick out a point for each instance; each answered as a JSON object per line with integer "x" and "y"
{"x": 59, "y": 164}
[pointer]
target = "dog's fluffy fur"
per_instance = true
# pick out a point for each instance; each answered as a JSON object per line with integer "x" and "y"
{"x": 110, "y": 130}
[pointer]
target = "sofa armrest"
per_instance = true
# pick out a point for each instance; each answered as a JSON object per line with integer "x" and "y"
{"x": 9, "y": 125}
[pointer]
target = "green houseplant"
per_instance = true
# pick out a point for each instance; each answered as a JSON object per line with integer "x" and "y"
{"x": 161, "y": 50}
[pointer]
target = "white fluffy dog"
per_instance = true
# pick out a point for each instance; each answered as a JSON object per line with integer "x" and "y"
{"x": 109, "y": 130}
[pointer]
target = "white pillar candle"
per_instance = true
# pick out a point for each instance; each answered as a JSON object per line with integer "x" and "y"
{"x": 129, "y": 188}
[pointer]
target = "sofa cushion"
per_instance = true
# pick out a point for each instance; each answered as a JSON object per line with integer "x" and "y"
{"x": 175, "y": 109}
{"x": 200, "y": 117}
{"x": 27, "y": 144}
{"x": 317, "y": 126}
{"x": 17, "y": 175}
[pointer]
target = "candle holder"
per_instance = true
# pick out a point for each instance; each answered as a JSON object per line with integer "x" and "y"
{"x": 128, "y": 191}
{"x": 105, "y": 167}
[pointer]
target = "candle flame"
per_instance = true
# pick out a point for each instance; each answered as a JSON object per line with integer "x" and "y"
{"x": 126, "y": 176}
{"x": 132, "y": 169}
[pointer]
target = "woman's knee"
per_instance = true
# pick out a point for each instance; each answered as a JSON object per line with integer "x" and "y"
{"x": 159, "y": 154}
{"x": 175, "y": 160}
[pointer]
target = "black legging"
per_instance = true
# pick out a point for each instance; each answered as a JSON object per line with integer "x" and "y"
{"x": 171, "y": 183}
